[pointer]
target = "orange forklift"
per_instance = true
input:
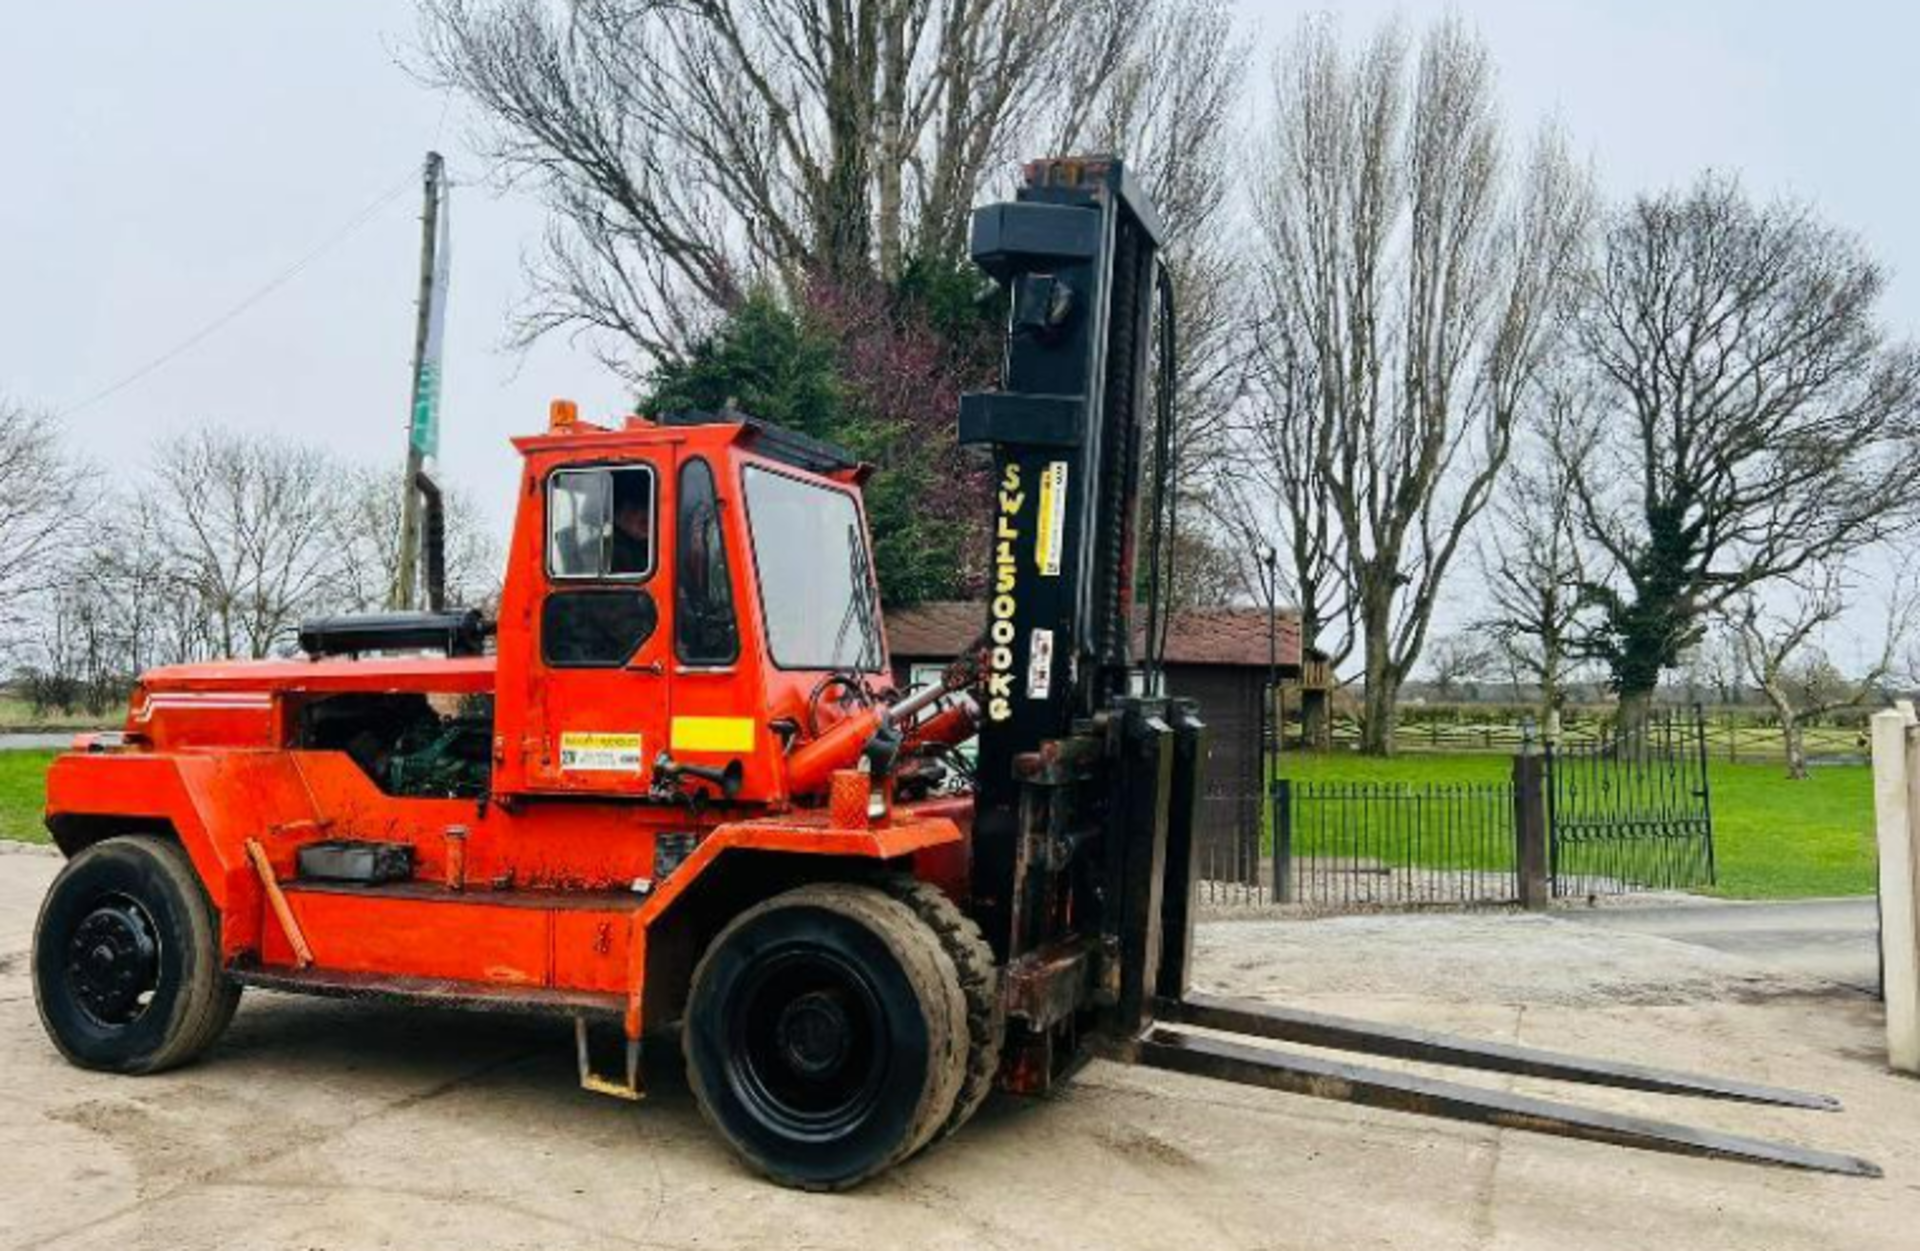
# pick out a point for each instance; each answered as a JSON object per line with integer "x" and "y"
{"x": 671, "y": 794}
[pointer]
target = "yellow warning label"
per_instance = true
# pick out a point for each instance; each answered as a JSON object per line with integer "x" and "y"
{"x": 1053, "y": 518}
{"x": 1000, "y": 627}
{"x": 601, "y": 752}
{"x": 713, "y": 734}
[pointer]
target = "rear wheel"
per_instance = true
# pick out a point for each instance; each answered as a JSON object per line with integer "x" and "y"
{"x": 826, "y": 1034}
{"x": 126, "y": 959}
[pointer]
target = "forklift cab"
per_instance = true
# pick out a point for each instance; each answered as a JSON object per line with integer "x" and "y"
{"x": 694, "y": 592}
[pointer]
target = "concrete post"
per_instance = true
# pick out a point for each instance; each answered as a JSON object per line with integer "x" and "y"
{"x": 1896, "y": 805}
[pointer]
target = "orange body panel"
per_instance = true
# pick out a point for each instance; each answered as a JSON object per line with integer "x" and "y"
{"x": 557, "y": 863}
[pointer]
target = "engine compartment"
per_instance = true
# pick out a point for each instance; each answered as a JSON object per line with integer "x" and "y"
{"x": 409, "y": 744}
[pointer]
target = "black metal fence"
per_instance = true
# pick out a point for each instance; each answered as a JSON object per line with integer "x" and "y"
{"x": 1617, "y": 815}
{"x": 1632, "y": 811}
{"x": 1353, "y": 846}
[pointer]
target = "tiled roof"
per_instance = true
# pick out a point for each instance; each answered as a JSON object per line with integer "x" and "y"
{"x": 940, "y": 629}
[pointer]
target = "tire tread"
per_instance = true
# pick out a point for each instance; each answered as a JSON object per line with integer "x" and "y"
{"x": 967, "y": 947}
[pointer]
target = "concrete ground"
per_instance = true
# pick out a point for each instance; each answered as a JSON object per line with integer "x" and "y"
{"x": 36, "y": 742}
{"x": 1835, "y": 939}
{"x": 326, "y": 1125}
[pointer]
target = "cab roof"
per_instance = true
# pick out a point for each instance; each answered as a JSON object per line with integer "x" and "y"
{"x": 568, "y": 433}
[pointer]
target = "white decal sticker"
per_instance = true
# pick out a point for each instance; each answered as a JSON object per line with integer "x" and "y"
{"x": 602, "y": 753}
{"x": 1040, "y": 664}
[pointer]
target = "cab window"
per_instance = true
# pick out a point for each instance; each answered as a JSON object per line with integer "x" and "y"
{"x": 817, "y": 591}
{"x": 600, "y": 523}
{"x": 704, "y": 632}
{"x": 595, "y": 628}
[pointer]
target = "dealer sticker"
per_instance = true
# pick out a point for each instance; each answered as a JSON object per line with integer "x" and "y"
{"x": 600, "y": 753}
{"x": 1039, "y": 664}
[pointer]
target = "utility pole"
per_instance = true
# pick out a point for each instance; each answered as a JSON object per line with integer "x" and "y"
{"x": 423, "y": 420}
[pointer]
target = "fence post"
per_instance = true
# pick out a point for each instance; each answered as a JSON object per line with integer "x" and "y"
{"x": 1530, "y": 830}
{"x": 1281, "y": 793}
{"x": 1896, "y": 778}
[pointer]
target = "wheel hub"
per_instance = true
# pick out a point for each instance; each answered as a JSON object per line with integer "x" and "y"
{"x": 808, "y": 1054}
{"x": 113, "y": 962}
{"x": 815, "y": 1034}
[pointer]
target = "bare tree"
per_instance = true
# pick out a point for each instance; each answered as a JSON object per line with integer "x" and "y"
{"x": 1269, "y": 493}
{"x": 46, "y": 498}
{"x": 689, "y": 147}
{"x": 118, "y": 607}
{"x": 1429, "y": 272}
{"x": 245, "y": 527}
{"x": 1779, "y": 646}
{"x": 1712, "y": 667}
{"x": 1457, "y": 661}
{"x": 1532, "y": 567}
{"x": 1755, "y": 425}
{"x": 134, "y": 570}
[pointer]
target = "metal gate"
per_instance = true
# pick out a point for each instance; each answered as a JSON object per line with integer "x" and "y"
{"x": 1632, "y": 810}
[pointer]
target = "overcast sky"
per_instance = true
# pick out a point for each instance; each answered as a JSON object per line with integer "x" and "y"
{"x": 162, "y": 161}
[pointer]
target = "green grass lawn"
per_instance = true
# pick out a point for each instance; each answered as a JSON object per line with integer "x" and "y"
{"x": 23, "y": 794}
{"x": 1773, "y": 838}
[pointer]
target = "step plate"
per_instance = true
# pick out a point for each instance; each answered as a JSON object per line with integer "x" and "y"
{"x": 432, "y": 992}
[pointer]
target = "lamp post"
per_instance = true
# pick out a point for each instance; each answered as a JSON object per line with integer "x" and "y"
{"x": 1279, "y": 802}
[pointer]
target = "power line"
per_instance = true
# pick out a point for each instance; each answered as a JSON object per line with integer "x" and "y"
{"x": 340, "y": 235}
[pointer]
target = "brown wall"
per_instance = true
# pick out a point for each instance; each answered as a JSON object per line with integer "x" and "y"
{"x": 1229, "y": 833}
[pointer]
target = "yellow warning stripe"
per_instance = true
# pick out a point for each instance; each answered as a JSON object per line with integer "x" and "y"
{"x": 713, "y": 734}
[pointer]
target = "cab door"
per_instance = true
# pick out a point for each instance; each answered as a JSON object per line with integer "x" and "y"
{"x": 602, "y": 632}
{"x": 718, "y": 700}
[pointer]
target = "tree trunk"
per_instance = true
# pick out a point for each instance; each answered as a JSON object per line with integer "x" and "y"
{"x": 1316, "y": 723}
{"x": 895, "y": 66}
{"x": 1381, "y": 705}
{"x": 1549, "y": 703}
{"x": 1379, "y": 714}
{"x": 1796, "y": 742}
{"x": 1382, "y": 695}
{"x": 1635, "y": 709}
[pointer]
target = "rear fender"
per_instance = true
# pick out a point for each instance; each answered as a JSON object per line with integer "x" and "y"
{"x": 211, "y": 805}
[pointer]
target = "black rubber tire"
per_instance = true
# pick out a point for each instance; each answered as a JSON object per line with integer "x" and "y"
{"x": 190, "y": 1000}
{"x": 967, "y": 947}
{"x": 901, "y": 1035}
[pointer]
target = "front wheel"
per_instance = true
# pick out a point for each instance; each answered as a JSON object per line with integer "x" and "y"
{"x": 826, "y": 1034}
{"x": 126, "y": 959}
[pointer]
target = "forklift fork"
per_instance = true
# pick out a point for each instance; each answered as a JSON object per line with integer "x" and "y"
{"x": 1224, "y": 1053}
